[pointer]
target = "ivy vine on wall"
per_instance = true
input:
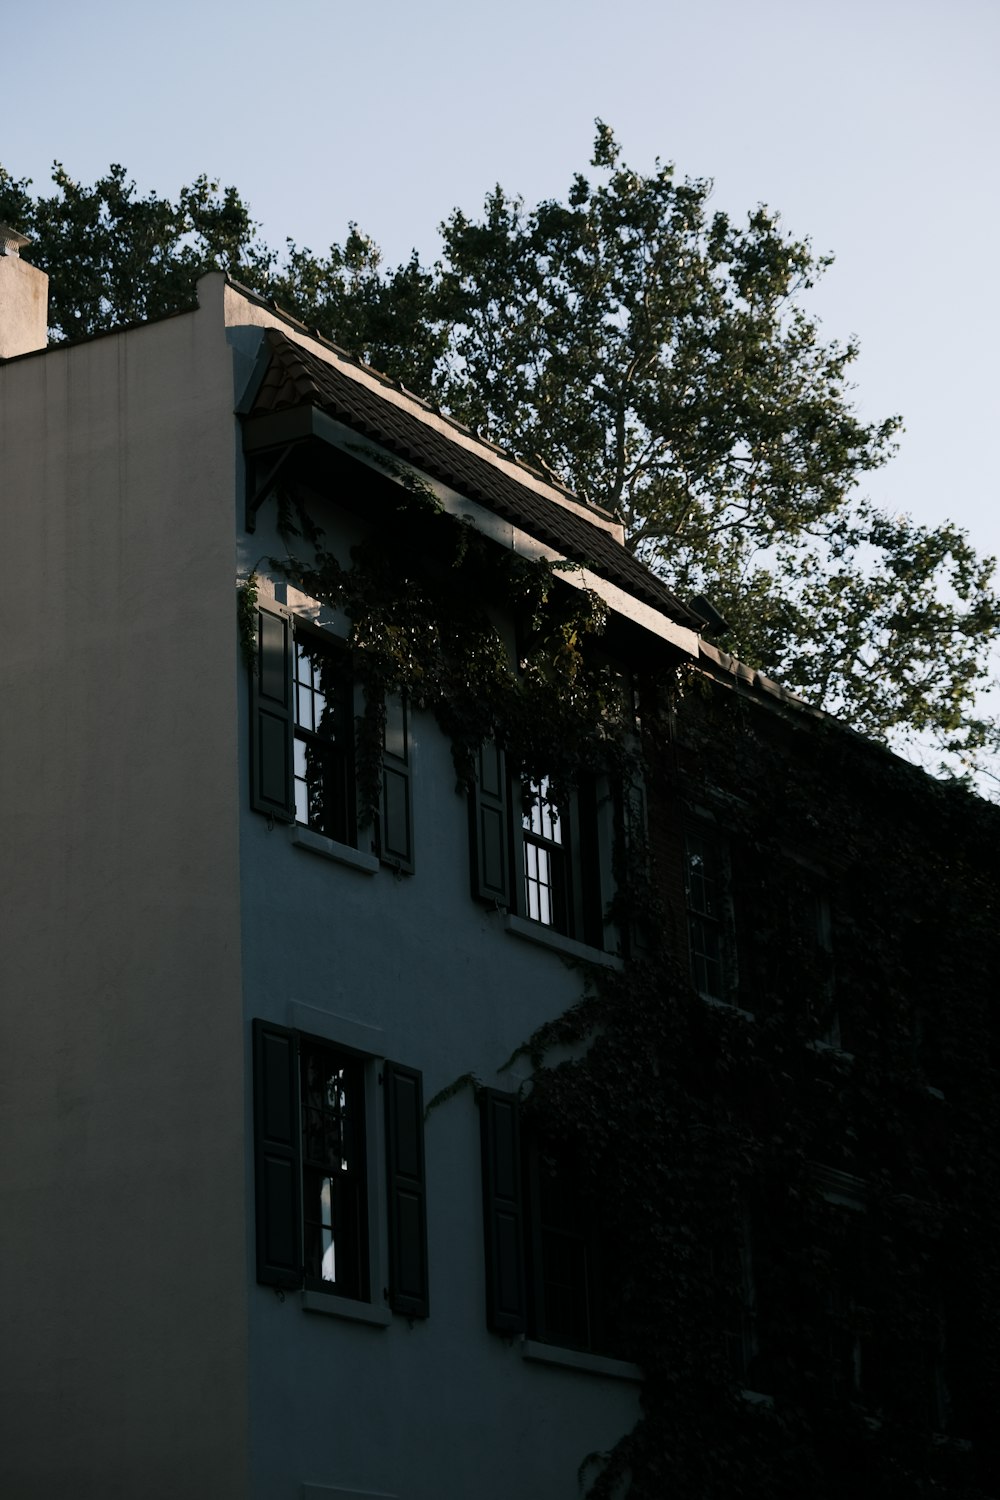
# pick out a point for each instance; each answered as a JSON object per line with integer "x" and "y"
{"x": 874, "y": 1326}
{"x": 494, "y": 644}
{"x": 705, "y": 1128}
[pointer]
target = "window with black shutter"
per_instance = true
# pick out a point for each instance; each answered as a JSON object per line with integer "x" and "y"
{"x": 334, "y": 1170}
{"x": 323, "y": 749}
{"x": 536, "y": 855}
{"x": 304, "y": 704}
{"x": 404, "y": 1149}
{"x": 711, "y": 918}
{"x": 547, "y": 1263}
{"x": 395, "y": 820}
{"x": 566, "y": 1305}
{"x": 313, "y": 1170}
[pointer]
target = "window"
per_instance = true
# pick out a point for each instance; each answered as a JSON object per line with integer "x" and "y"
{"x": 314, "y": 1143}
{"x": 810, "y": 952}
{"x": 545, "y": 857}
{"x": 732, "y": 1263}
{"x": 302, "y": 764}
{"x": 543, "y": 860}
{"x": 545, "y": 1251}
{"x": 847, "y": 1375}
{"x": 710, "y": 915}
{"x": 334, "y": 1176}
{"x": 323, "y": 747}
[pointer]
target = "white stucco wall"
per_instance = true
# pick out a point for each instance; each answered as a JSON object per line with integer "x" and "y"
{"x": 122, "y": 1272}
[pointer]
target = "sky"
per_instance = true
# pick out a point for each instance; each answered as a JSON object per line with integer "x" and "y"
{"x": 873, "y": 128}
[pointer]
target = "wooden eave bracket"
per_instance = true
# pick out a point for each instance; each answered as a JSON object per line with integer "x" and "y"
{"x": 269, "y": 440}
{"x": 262, "y": 484}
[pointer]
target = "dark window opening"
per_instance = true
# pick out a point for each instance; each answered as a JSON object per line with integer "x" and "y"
{"x": 565, "y": 1305}
{"x": 808, "y": 964}
{"x": 733, "y": 1271}
{"x": 547, "y": 1246}
{"x": 334, "y": 1170}
{"x": 324, "y": 740}
{"x": 704, "y": 873}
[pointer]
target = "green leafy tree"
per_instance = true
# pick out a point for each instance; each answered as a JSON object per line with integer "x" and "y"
{"x": 385, "y": 316}
{"x": 116, "y": 258}
{"x": 657, "y": 358}
{"x": 652, "y": 355}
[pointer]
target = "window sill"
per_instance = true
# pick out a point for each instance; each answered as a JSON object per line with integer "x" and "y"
{"x": 345, "y": 1307}
{"x": 545, "y": 937}
{"x": 819, "y": 1045}
{"x": 578, "y": 1359}
{"x": 343, "y": 854}
{"x": 735, "y": 1010}
{"x": 329, "y": 1491}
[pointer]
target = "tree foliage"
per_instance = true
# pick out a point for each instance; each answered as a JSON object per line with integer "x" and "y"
{"x": 386, "y": 316}
{"x": 419, "y": 594}
{"x": 654, "y": 356}
{"x": 116, "y": 258}
{"x": 657, "y": 358}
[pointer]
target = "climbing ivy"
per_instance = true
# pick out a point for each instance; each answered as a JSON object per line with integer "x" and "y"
{"x": 706, "y": 1131}
{"x": 247, "y": 595}
{"x": 696, "y": 1121}
{"x": 494, "y": 644}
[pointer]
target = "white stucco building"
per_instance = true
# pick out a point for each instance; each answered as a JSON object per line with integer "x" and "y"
{"x": 200, "y": 949}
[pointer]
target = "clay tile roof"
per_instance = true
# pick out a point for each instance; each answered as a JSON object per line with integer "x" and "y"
{"x": 297, "y": 377}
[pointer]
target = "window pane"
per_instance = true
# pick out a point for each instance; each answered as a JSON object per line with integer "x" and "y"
{"x": 545, "y": 858}
{"x": 324, "y": 741}
{"x": 703, "y": 880}
{"x": 567, "y": 1233}
{"x": 395, "y": 726}
{"x": 334, "y": 1170}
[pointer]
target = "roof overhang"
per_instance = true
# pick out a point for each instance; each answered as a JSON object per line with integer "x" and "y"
{"x": 273, "y": 438}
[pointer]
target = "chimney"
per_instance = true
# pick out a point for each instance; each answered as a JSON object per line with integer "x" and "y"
{"x": 24, "y": 298}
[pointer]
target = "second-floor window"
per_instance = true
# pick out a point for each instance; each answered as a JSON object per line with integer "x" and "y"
{"x": 305, "y": 706}
{"x": 543, "y": 858}
{"x": 545, "y": 853}
{"x": 706, "y": 880}
{"x": 323, "y": 769}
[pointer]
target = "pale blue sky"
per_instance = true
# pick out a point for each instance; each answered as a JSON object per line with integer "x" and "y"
{"x": 873, "y": 128}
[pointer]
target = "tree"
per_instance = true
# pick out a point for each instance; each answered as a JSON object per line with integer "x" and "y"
{"x": 657, "y": 358}
{"x": 386, "y": 317}
{"x": 650, "y": 354}
{"x": 115, "y": 258}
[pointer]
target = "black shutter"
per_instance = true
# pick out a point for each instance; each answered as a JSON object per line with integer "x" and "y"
{"x": 587, "y": 877}
{"x": 490, "y": 816}
{"x": 272, "y": 718}
{"x": 743, "y": 974}
{"x": 503, "y": 1215}
{"x": 395, "y": 825}
{"x": 404, "y": 1153}
{"x": 277, "y": 1154}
